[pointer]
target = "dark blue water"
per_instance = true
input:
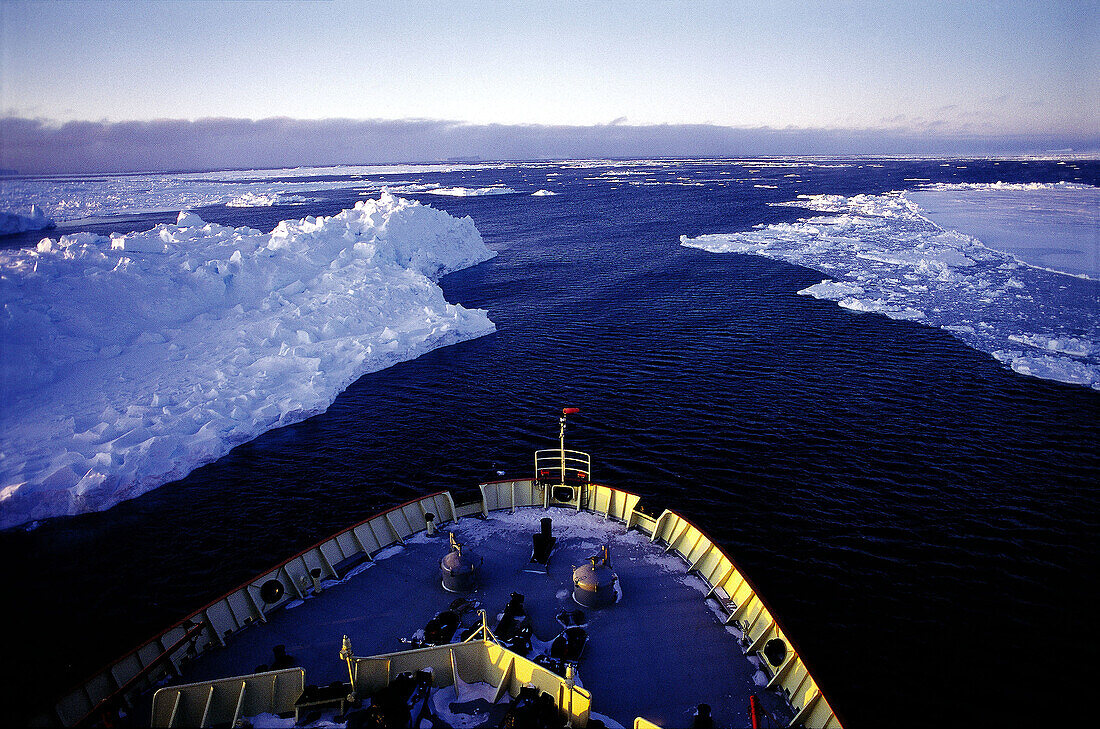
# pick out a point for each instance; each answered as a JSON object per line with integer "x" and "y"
{"x": 923, "y": 520}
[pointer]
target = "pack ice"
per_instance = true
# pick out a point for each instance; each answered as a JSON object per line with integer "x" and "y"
{"x": 13, "y": 222}
{"x": 883, "y": 255}
{"x": 129, "y": 361}
{"x": 72, "y": 198}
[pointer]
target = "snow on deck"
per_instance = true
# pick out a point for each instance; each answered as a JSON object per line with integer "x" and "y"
{"x": 657, "y": 653}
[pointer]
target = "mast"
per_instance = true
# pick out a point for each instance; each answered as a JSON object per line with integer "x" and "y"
{"x": 565, "y": 413}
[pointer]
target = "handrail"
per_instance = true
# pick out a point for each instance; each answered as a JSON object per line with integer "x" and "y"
{"x": 554, "y": 462}
{"x": 483, "y": 661}
{"x": 281, "y": 687}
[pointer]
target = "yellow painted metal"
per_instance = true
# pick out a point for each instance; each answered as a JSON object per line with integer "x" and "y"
{"x": 505, "y": 680}
{"x": 557, "y": 464}
{"x": 175, "y": 709}
{"x": 748, "y": 611}
{"x": 224, "y": 701}
{"x": 238, "y": 713}
{"x": 235, "y": 610}
{"x": 483, "y": 632}
{"x": 206, "y": 709}
{"x": 347, "y": 655}
{"x": 476, "y": 661}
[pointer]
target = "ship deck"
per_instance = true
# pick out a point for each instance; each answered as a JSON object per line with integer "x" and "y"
{"x": 657, "y": 653}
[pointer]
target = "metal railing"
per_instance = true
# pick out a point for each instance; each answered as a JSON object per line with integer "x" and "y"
{"x": 555, "y": 465}
{"x": 226, "y": 701}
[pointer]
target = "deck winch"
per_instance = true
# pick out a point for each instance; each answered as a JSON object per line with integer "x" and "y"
{"x": 459, "y": 568}
{"x": 595, "y": 585}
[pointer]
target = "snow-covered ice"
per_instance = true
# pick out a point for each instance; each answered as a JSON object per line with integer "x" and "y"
{"x": 471, "y": 191}
{"x": 18, "y": 222}
{"x": 542, "y": 193}
{"x": 67, "y": 198}
{"x": 260, "y": 200}
{"x": 883, "y": 254}
{"x": 1052, "y": 226}
{"x": 129, "y": 361}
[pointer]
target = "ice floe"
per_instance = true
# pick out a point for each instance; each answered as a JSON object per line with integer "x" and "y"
{"x": 882, "y": 254}
{"x": 260, "y": 200}
{"x": 66, "y": 198}
{"x": 471, "y": 191}
{"x": 1051, "y": 226}
{"x": 14, "y": 222}
{"x": 129, "y": 361}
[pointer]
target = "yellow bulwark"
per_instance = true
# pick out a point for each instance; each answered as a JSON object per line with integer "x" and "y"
{"x": 228, "y": 700}
{"x": 747, "y": 611}
{"x": 224, "y": 702}
{"x": 480, "y": 661}
{"x": 120, "y": 683}
{"x": 744, "y": 607}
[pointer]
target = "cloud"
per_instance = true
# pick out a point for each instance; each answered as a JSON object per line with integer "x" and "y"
{"x": 895, "y": 120}
{"x": 37, "y": 146}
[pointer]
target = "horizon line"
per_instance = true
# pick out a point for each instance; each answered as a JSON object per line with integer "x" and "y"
{"x": 40, "y": 146}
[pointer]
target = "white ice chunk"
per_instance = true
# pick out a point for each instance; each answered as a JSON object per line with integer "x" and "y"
{"x": 471, "y": 191}
{"x": 260, "y": 200}
{"x": 34, "y": 219}
{"x": 725, "y": 243}
{"x": 1053, "y": 368}
{"x": 832, "y": 290}
{"x": 150, "y": 242}
{"x": 139, "y": 368}
{"x": 1065, "y": 345}
{"x": 188, "y": 219}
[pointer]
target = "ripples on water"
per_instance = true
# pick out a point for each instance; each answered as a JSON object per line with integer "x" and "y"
{"x": 923, "y": 520}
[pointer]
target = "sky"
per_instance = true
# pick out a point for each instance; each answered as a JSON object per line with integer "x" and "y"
{"x": 903, "y": 71}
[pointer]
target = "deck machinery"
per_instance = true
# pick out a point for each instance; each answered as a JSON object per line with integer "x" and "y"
{"x": 551, "y": 601}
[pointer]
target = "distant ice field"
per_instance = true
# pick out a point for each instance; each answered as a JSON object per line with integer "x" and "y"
{"x": 70, "y": 198}
{"x": 886, "y": 254}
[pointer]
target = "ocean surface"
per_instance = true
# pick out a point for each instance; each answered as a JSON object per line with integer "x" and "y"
{"x": 922, "y": 517}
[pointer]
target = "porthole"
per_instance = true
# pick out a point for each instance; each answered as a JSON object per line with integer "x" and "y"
{"x": 775, "y": 650}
